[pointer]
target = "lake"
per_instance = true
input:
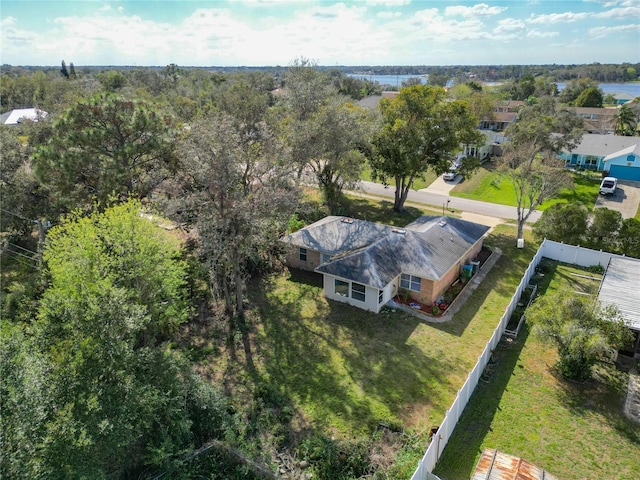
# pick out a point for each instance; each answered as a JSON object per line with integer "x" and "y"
{"x": 396, "y": 81}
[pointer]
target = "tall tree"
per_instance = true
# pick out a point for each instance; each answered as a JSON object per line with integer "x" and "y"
{"x": 421, "y": 130}
{"x": 107, "y": 145}
{"x": 581, "y": 329}
{"x": 239, "y": 195}
{"x": 530, "y": 161}
{"x": 327, "y": 135}
{"x": 63, "y": 70}
{"x": 626, "y": 121}
{"x": 109, "y": 398}
{"x": 590, "y": 97}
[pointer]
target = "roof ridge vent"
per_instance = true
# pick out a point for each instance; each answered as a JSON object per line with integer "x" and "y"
{"x": 347, "y": 220}
{"x": 399, "y": 231}
{"x": 442, "y": 223}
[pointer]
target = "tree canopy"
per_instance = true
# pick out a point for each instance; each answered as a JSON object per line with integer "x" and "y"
{"x": 421, "y": 130}
{"x": 106, "y": 396}
{"x": 530, "y": 159}
{"x": 106, "y": 145}
{"x": 581, "y": 328}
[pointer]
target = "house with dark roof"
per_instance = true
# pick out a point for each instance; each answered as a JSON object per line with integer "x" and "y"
{"x": 617, "y": 155}
{"x": 619, "y": 287}
{"x": 366, "y": 264}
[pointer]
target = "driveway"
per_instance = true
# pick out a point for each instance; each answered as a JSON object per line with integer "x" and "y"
{"x": 442, "y": 186}
{"x": 625, "y": 200}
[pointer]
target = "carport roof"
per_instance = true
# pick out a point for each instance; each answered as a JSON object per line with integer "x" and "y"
{"x": 620, "y": 288}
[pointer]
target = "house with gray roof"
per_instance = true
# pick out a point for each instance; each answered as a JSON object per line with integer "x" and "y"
{"x": 619, "y": 287}
{"x": 617, "y": 155}
{"x": 366, "y": 264}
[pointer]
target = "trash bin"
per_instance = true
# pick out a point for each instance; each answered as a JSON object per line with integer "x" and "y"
{"x": 467, "y": 271}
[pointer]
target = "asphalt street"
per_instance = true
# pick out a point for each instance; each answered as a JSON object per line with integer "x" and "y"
{"x": 425, "y": 197}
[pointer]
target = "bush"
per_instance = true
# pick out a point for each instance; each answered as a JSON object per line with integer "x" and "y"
{"x": 335, "y": 460}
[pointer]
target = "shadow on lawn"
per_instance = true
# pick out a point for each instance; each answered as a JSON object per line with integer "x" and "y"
{"x": 464, "y": 447}
{"x": 603, "y": 395}
{"x": 351, "y": 369}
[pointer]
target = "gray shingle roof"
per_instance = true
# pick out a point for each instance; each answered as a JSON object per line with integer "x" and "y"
{"x": 427, "y": 248}
{"x": 620, "y": 288}
{"x": 333, "y": 235}
{"x": 603, "y": 145}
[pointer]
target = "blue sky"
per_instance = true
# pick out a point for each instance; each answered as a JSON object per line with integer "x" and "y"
{"x": 356, "y": 32}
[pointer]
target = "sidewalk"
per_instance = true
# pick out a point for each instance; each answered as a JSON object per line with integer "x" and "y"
{"x": 428, "y": 197}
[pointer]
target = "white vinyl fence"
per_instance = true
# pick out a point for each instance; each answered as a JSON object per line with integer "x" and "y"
{"x": 549, "y": 249}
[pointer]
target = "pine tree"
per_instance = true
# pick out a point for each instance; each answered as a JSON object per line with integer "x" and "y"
{"x": 64, "y": 70}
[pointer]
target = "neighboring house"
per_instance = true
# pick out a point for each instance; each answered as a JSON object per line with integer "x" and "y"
{"x": 617, "y": 155}
{"x": 499, "y": 121}
{"x": 598, "y": 120}
{"x": 622, "y": 98}
{"x": 619, "y": 287}
{"x": 17, "y": 116}
{"x": 365, "y": 264}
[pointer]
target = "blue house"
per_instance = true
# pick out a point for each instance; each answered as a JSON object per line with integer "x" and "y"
{"x": 617, "y": 155}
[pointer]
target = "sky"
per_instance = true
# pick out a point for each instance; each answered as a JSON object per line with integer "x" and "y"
{"x": 348, "y": 32}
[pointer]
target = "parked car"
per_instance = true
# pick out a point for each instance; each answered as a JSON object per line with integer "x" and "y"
{"x": 608, "y": 186}
{"x": 453, "y": 171}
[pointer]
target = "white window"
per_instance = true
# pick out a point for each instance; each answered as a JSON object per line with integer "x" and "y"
{"x": 358, "y": 292}
{"x": 341, "y": 288}
{"x": 410, "y": 282}
{"x": 303, "y": 254}
{"x": 324, "y": 257}
{"x": 380, "y": 296}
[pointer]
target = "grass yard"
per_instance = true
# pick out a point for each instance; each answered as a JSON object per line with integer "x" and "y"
{"x": 486, "y": 185}
{"x": 344, "y": 370}
{"x": 574, "y": 431}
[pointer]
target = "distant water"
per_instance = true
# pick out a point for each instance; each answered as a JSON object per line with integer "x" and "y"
{"x": 630, "y": 88}
{"x": 396, "y": 81}
{"x": 392, "y": 80}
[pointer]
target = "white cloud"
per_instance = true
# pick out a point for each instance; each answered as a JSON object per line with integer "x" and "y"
{"x": 389, "y": 14}
{"x": 600, "y": 32}
{"x": 480, "y": 9}
{"x": 540, "y": 34}
{"x": 388, "y": 3}
{"x": 566, "y": 17}
{"x": 626, "y": 12}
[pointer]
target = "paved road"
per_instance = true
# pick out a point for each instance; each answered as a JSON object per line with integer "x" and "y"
{"x": 438, "y": 200}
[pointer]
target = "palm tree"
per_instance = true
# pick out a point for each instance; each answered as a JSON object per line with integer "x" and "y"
{"x": 626, "y": 121}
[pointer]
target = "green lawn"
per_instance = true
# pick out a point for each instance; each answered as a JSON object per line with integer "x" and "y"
{"x": 486, "y": 185}
{"x": 574, "y": 431}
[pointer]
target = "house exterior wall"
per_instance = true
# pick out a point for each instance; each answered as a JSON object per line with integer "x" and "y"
{"x": 625, "y": 167}
{"x": 371, "y": 294}
{"x": 431, "y": 290}
{"x": 588, "y": 162}
{"x": 293, "y": 259}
